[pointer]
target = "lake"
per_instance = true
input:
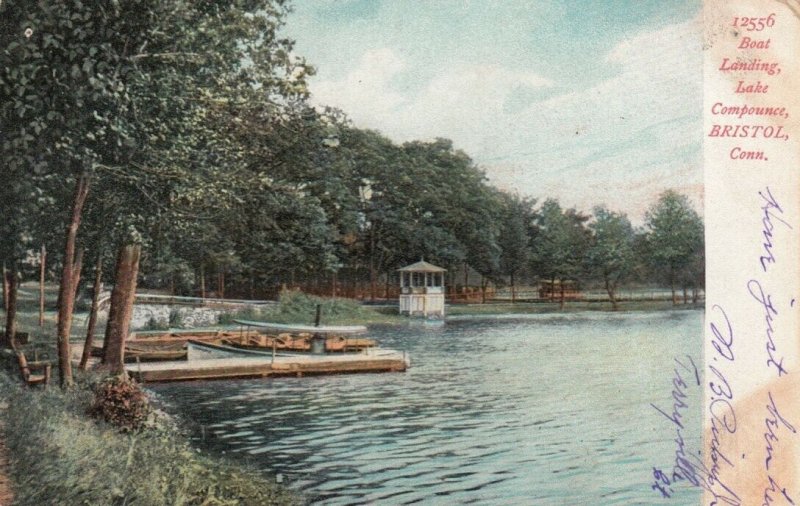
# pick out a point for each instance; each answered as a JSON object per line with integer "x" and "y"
{"x": 535, "y": 409}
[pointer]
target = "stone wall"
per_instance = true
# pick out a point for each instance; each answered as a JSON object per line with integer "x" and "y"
{"x": 189, "y": 317}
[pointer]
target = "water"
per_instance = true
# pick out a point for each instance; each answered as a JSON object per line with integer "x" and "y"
{"x": 518, "y": 410}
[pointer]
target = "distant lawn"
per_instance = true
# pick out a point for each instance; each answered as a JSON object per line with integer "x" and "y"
{"x": 569, "y": 307}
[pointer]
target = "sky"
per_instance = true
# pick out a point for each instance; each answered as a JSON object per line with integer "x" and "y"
{"x": 587, "y": 101}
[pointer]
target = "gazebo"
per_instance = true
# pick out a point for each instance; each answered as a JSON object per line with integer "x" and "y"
{"x": 422, "y": 290}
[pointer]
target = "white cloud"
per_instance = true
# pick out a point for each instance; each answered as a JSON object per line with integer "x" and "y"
{"x": 365, "y": 93}
{"x": 620, "y": 142}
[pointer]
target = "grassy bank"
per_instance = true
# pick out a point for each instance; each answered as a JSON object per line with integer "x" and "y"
{"x": 60, "y": 455}
{"x": 570, "y": 307}
{"x": 300, "y": 308}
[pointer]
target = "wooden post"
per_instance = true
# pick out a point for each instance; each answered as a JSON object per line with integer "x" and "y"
{"x": 5, "y": 289}
{"x": 119, "y": 316}
{"x": 66, "y": 290}
{"x": 89, "y": 342}
{"x": 202, "y": 281}
{"x": 42, "y": 265}
{"x": 12, "y": 282}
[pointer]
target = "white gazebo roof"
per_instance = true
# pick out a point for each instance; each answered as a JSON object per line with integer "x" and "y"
{"x": 422, "y": 266}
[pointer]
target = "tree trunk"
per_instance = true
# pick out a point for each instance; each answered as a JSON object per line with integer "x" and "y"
{"x": 466, "y": 277}
{"x": 42, "y": 265}
{"x": 12, "y": 283}
{"x": 612, "y": 296}
{"x": 685, "y": 296}
{"x": 89, "y": 342}
{"x": 333, "y": 285}
{"x": 484, "y": 282}
{"x": 672, "y": 288}
{"x": 202, "y": 281}
{"x": 561, "y": 304}
{"x": 695, "y": 295}
{"x": 66, "y": 291}
{"x": 373, "y": 281}
{"x": 513, "y": 290}
{"x": 76, "y": 274}
{"x": 5, "y": 288}
{"x": 119, "y": 315}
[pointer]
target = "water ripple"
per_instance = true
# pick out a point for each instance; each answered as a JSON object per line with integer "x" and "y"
{"x": 543, "y": 409}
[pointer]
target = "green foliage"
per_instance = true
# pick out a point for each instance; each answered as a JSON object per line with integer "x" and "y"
{"x": 60, "y": 456}
{"x": 154, "y": 323}
{"x": 192, "y": 120}
{"x": 560, "y": 243}
{"x": 246, "y": 313}
{"x": 674, "y": 244}
{"x": 516, "y": 223}
{"x": 610, "y": 256}
{"x": 120, "y": 402}
{"x": 300, "y": 308}
{"x": 175, "y": 319}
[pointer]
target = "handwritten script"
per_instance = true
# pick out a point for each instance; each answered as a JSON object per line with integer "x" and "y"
{"x": 721, "y": 414}
{"x": 684, "y": 468}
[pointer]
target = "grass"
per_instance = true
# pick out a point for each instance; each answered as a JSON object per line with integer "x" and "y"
{"x": 300, "y": 308}
{"x": 59, "y": 455}
{"x": 569, "y": 307}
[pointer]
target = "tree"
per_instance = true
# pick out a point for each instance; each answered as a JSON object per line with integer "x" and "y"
{"x": 674, "y": 240}
{"x": 514, "y": 239}
{"x": 560, "y": 245}
{"x": 139, "y": 95}
{"x": 610, "y": 255}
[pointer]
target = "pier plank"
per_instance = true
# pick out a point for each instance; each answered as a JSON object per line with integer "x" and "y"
{"x": 229, "y": 368}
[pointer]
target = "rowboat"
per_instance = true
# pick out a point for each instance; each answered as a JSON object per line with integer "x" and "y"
{"x": 299, "y": 337}
{"x": 200, "y": 350}
{"x": 148, "y": 352}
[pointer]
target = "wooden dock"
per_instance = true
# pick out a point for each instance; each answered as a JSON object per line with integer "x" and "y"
{"x": 262, "y": 367}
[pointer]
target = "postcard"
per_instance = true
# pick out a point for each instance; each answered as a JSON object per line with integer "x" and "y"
{"x": 751, "y": 335}
{"x": 400, "y": 252}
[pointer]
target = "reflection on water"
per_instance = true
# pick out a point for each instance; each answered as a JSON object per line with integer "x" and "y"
{"x": 519, "y": 410}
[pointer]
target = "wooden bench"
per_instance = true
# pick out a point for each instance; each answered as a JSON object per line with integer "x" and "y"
{"x": 27, "y": 369}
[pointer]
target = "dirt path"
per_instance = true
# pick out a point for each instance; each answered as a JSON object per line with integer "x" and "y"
{"x": 6, "y": 494}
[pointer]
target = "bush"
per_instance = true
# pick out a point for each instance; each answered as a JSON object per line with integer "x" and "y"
{"x": 175, "y": 319}
{"x": 246, "y": 313}
{"x": 120, "y": 402}
{"x": 300, "y": 308}
{"x": 154, "y": 323}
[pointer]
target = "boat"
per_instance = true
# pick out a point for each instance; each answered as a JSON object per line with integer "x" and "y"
{"x": 299, "y": 337}
{"x": 203, "y": 350}
{"x": 149, "y": 352}
{"x": 286, "y": 338}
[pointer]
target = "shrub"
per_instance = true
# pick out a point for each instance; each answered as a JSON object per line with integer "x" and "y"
{"x": 120, "y": 402}
{"x": 245, "y": 313}
{"x": 175, "y": 319}
{"x": 154, "y": 323}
